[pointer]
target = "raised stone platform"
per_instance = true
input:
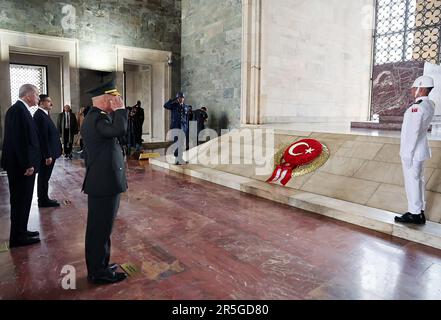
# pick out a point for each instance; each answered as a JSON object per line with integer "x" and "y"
{"x": 376, "y": 125}
{"x": 384, "y": 123}
{"x": 361, "y": 183}
{"x": 153, "y": 145}
{"x": 391, "y": 119}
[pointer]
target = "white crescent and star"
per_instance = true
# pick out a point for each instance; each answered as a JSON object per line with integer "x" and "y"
{"x": 293, "y": 147}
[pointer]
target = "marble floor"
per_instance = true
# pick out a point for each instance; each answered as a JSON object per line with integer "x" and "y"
{"x": 191, "y": 239}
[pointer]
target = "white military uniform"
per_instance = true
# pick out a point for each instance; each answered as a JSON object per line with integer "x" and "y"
{"x": 414, "y": 150}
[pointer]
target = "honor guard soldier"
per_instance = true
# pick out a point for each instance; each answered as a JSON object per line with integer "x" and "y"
{"x": 414, "y": 149}
{"x": 105, "y": 178}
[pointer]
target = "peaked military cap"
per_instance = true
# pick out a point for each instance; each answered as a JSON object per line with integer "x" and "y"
{"x": 105, "y": 88}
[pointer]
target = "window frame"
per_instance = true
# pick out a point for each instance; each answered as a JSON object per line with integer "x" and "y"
{"x": 405, "y": 34}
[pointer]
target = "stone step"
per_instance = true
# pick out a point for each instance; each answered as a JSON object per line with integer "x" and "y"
{"x": 156, "y": 145}
{"x": 376, "y": 125}
{"x": 379, "y": 126}
{"x": 391, "y": 119}
{"x": 368, "y": 217}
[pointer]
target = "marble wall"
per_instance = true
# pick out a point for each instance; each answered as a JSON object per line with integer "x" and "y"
{"x": 99, "y": 25}
{"x": 390, "y": 87}
{"x": 211, "y": 58}
{"x": 316, "y": 60}
{"x": 98, "y": 36}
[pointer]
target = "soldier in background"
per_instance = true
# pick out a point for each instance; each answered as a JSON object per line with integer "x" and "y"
{"x": 178, "y": 116}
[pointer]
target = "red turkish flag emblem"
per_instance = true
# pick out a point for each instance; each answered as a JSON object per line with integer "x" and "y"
{"x": 298, "y": 154}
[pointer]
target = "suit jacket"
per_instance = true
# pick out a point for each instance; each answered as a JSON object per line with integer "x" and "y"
{"x": 105, "y": 167}
{"x": 200, "y": 116}
{"x": 139, "y": 117}
{"x": 21, "y": 147}
{"x": 48, "y": 135}
{"x": 417, "y": 119}
{"x": 176, "y": 111}
{"x": 73, "y": 125}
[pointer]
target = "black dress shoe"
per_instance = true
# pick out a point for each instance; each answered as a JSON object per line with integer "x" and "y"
{"x": 32, "y": 233}
{"x": 24, "y": 241}
{"x": 107, "y": 278}
{"x": 411, "y": 218}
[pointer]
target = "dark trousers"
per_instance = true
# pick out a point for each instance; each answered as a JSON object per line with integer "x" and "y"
{"x": 179, "y": 152}
{"x": 138, "y": 134}
{"x": 43, "y": 181}
{"x": 21, "y": 189}
{"x": 200, "y": 128}
{"x": 67, "y": 146}
{"x": 101, "y": 214}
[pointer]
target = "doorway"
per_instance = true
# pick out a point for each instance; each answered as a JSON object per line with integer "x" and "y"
{"x": 138, "y": 87}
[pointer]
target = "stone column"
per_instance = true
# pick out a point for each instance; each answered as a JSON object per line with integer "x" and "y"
{"x": 251, "y": 61}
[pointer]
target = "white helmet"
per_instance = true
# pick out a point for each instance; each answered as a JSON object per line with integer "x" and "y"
{"x": 423, "y": 82}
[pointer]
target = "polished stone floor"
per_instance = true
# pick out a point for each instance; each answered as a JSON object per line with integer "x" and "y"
{"x": 191, "y": 239}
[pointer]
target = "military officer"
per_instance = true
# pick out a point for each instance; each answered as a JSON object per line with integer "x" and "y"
{"x": 179, "y": 112}
{"x": 105, "y": 179}
{"x": 414, "y": 149}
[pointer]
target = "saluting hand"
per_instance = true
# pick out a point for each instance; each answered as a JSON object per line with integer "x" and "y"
{"x": 48, "y": 161}
{"x": 29, "y": 171}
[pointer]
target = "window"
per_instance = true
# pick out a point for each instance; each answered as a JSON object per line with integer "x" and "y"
{"x": 22, "y": 74}
{"x": 407, "y": 30}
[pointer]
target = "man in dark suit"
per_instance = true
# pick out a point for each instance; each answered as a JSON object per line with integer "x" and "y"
{"x": 105, "y": 179}
{"x": 21, "y": 159}
{"x": 138, "y": 121}
{"x": 67, "y": 128}
{"x": 200, "y": 116}
{"x": 50, "y": 149}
